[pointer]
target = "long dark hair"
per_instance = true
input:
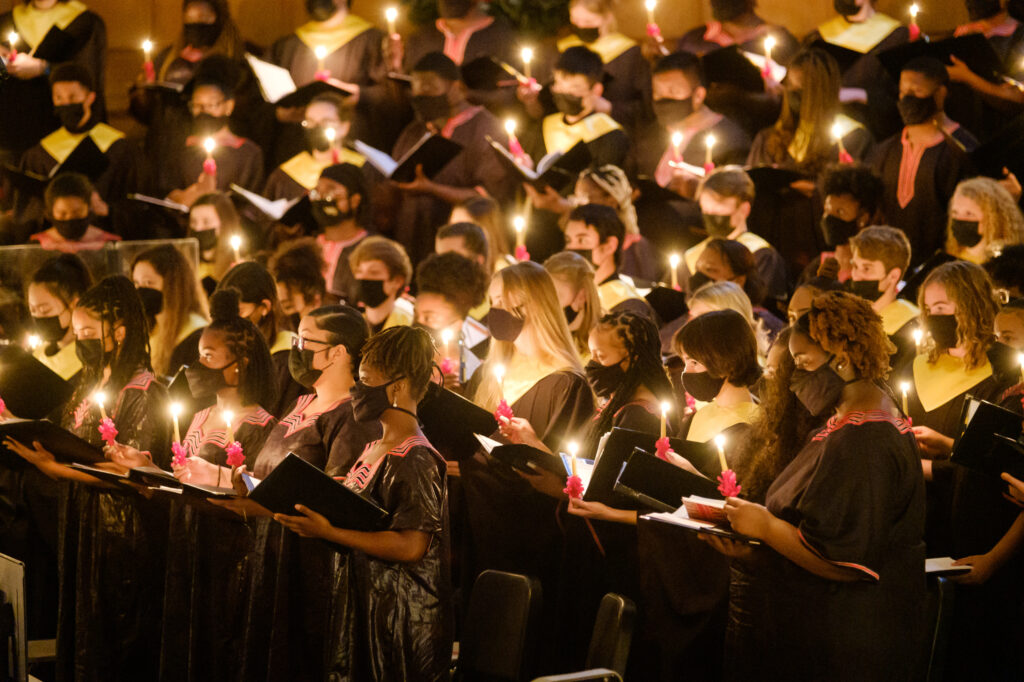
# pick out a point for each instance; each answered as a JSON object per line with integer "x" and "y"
{"x": 256, "y": 385}
{"x": 116, "y": 303}
{"x": 639, "y": 335}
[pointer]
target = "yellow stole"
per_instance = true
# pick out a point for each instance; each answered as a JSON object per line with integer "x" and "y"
{"x": 561, "y": 136}
{"x": 64, "y": 362}
{"x": 282, "y": 342}
{"x": 897, "y": 314}
{"x": 858, "y": 37}
{"x": 712, "y": 419}
{"x": 523, "y": 374}
{"x": 313, "y": 36}
{"x": 937, "y": 384}
{"x": 34, "y": 24}
{"x": 615, "y": 292}
{"x": 195, "y": 321}
{"x": 304, "y": 168}
{"x": 60, "y": 143}
{"x": 608, "y": 46}
{"x": 399, "y": 317}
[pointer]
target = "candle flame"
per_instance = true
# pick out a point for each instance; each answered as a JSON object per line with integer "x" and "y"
{"x": 914, "y": 10}
{"x": 176, "y": 409}
{"x": 236, "y": 241}
{"x": 904, "y": 386}
{"x": 228, "y": 417}
{"x": 918, "y": 335}
{"x": 34, "y": 341}
{"x": 574, "y": 447}
{"x": 1020, "y": 359}
{"x": 650, "y": 5}
{"x": 527, "y": 55}
{"x": 209, "y": 144}
{"x": 519, "y": 223}
{"x": 391, "y": 13}
{"x": 720, "y": 441}
{"x": 677, "y": 138}
{"x": 837, "y": 130}
{"x": 769, "y": 43}
{"x": 320, "y": 51}
{"x": 331, "y": 134}
{"x": 12, "y": 38}
{"x": 665, "y": 408}
{"x": 147, "y": 45}
{"x": 446, "y": 336}
{"x": 499, "y": 372}
{"x": 510, "y": 126}
{"x": 100, "y": 398}
{"x": 673, "y": 260}
{"x": 709, "y": 140}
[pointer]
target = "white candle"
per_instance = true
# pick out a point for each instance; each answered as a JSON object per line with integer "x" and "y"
{"x": 499, "y": 376}
{"x": 228, "y": 417}
{"x": 12, "y": 41}
{"x": 720, "y": 444}
{"x": 573, "y": 449}
{"x": 446, "y": 340}
{"x": 677, "y": 142}
{"x": 527, "y": 56}
{"x": 914, "y": 11}
{"x": 918, "y": 337}
{"x": 175, "y": 413}
{"x": 769, "y": 45}
{"x": 709, "y": 144}
{"x": 321, "y": 54}
{"x": 391, "y": 15}
{"x": 664, "y": 417}
{"x": 147, "y": 48}
{"x": 236, "y": 245}
{"x": 650, "y": 5}
{"x": 519, "y": 224}
{"x": 1020, "y": 361}
{"x": 100, "y": 398}
{"x": 673, "y": 262}
{"x": 904, "y": 387}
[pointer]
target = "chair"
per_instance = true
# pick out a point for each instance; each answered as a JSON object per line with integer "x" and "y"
{"x": 609, "y": 643}
{"x": 22, "y": 652}
{"x": 499, "y": 633}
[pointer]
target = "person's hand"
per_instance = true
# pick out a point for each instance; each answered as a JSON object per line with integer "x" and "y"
{"x": 1015, "y": 491}
{"x": 126, "y": 456}
{"x": 237, "y": 483}
{"x": 205, "y": 184}
{"x": 653, "y": 47}
{"x": 684, "y": 183}
{"x": 730, "y": 548}
{"x": 548, "y": 200}
{"x": 98, "y": 206}
{"x": 932, "y": 443}
{"x": 747, "y": 518}
{"x": 26, "y": 67}
{"x": 529, "y": 95}
{"x": 452, "y": 468}
{"x": 805, "y": 187}
{"x": 959, "y": 72}
{"x": 290, "y": 114}
{"x": 545, "y": 482}
{"x": 518, "y": 430}
{"x": 592, "y": 510}
{"x": 198, "y": 471}
{"x": 36, "y": 455}
{"x": 982, "y": 568}
{"x": 1011, "y": 184}
{"x": 309, "y": 525}
{"x": 352, "y": 88}
{"x": 420, "y": 184}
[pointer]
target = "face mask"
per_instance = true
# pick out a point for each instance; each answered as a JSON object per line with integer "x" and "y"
{"x": 89, "y": 352}
{"x": 915, "y": 110}
{"x": 702, "y": 386}
{"x": 326, "y": 213}
{"x": 836, "y": 230}
{"x": 205, "y": 125}
{"x": 570, "y": 105}
{"x": 847, "y": 8}
{"x": 204, "y": 382}
{"x": 570, "y": 314}
{"x": 794, "y": 98}
{"x": 717, "y": 225}
{"x": 70, "y": 115}
{"x": 943, "y": 329}
{"x": 370, "y": 402}
{"x": 454, "y": 9}
{"x": 300, "y": 366}
{"x": 200, "y": 35}
{"x": 982, "y": 9}
{"x": 320, "y": 10}
{"x": 316, "y": 138}
{"x": 966, "y": 232}
{"x": 152, "y": 300}
{"x": 672, "y": 111}
{"x": 431, "y": 107}
{"x": 49, "y": 329}
{"x": 207, "y": 239}
{"x": 503, "y": 325}
{"x": 698, "y": 279}
{"x": 586, "y": 254}
{"x": 72, "y": 229}
{"x": 866, "y": 288}
{"x": 370, "y": 292}
{"x": 818, "y": 391}
{"x": 587, "y": 35}
{"x": 604, "y": 379}
{"x": 727, "y": 10}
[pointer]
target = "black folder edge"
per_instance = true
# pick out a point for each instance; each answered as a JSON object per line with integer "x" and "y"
{"x": 1010, "y": 417}
{"x": 153, "y": 477}
{"x": 102, "y": 474}
{"x": 65, "y": 446}
{"x": 520, "y": 457}
{"x": 721, "y": 531}
{"x": 208, "y": 491}
{"x": 450, "y": 420}
{"x": 21, "y": 372}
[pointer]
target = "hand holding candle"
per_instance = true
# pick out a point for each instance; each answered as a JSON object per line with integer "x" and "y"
{"x": 915, "y": 30}
{"x": 12, "y": 42}
{"x": 210, "y": 165}
{"x": 709, "y": 145}
{"x": 179, "y": 455}
{"x": 322, "y": 74}
{"x": 147, "y": 63}
{"x": 769, "y": 45}
{"x": 653, "y": 30}
{"x": 391, "y": 16}
{"x": 574, "y": 484}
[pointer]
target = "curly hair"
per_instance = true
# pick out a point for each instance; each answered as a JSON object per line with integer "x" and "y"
{"x": 460, "y": 281}
{"x": 1001, "y": 223}
{"x": 245, "y": 342}
{"x": 840, "y": 322}
{"x": 402, "y": 352}
{"x": 969, "y": 288}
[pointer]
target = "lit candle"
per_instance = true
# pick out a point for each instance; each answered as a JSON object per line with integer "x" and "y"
{"x": 837, "y": 133}
{"x": 1020, "y": 361}
{"x": 513, "y": 142}
{"x": 650, "y": 5}
{"x": 527, "y": 57}
{"x": 904, "y": 387}
{"x": 446, "y": 339}
{"x": 34, "y": 341}
{"x": 915, "y": 30}
{"x": 391, "y": 15}
{"x": 664, "y": 417}
{"x": 720, "y": 444}
{"x": 574, "y": 447}
{"x": 519, "y": 224}
{"x": 499, "y": 376}
{"x": 677, "y": 142}
{"x": 228, "y": 417}
{"x": 100, "y": 398}
{"x": 236, "y": 245}
{"x": 769, "y": 44}
{"x": 673, "y": 263}
{"x": 918, "y": 337}
{"x": 321, "y": 54}
{"x": 709, "y": 144}
{"x": 12, "y": 41}
{"x": 209, "y": 165}
{"x": 147, "y": 63}
{"x": 332, "y": 136}
{"x": 175, "y": 413}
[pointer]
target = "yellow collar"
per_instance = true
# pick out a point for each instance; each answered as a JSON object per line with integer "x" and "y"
{"x": 608, "y": 46}
{"x": 937, "y": 384}
{"x": 858, "y": 37}
{"x": 712, "y": 419}
{"x": 523, "y": 373}
{"x": 897, "y": 314}
{"x": 60, "y": 143}
{"x": 615, "y": 292}
{"x": 305, "y": 169}
{"x": 33, "y": 24}
{"x": 399, "y": 317}
{"x": 561, "y": 136}
{"x": 195, "y": 321}
{"x": 282, "y": 342}
{"x": 64, "y": 362}
{"x": 334, "y": 38}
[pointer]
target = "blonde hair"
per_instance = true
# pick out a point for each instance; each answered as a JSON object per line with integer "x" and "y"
{"x": 603, "y": 7}
{"x": 528, "y": 291}
{"x": 726, "y": 295}
{"x": 808, "y": 139}
{"x": 1001, "y": 221}
{"x": 575, "y": 271}
{"x": 969, "y": 288}
{"x": 612, "y": 181}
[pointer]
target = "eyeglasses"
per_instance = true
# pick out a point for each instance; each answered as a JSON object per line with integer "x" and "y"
{"x": 314, "y": 195}
{"x": 301, "y": 343}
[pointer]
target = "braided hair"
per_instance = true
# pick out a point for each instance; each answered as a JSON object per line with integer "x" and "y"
{"x": 403, "y": 352}
{"x": 244, "y": 341}
{"x": 116, "y": 303}
{"x": 639, "y": 336}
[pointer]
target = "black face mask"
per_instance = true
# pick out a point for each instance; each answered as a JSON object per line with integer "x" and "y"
{"x": 370, "y": 402}
{"x": 794, "y": 98}
{"x": 300, "y": 366}
{"x": 837, "y": 231}
{"x": 570, "y": 314}
{"x": 585, "y": 254}
{"x": 672, "y": 111}
{"x": 717, "y": 225}
{"x": 698, "y": 279}
{"x": 943, "y": 329}
{"x": 503, "y": 325}
{"x": 818, "y": 391}
{"x": 570, "y": 105}
{"x": 316, "y": 138}
{"x": 320, "y": 10}
{"x": 370, "y": 292}
{"x": 866, "y": 288}
{"x": 201, "y": 35}
{"x": 965, "y": 232}
{"x": 916, "y": 110}
{"x": 604, "y": 379}
{"x": 982, "y": 9}
{"x": 152, "y": 300}
{"x": 72, "y": 229}
{"x": 326, "y": 213}
{"x": 727, "y": 10}
{"x": 70, "y": 116}
{"x": 431, "y": 107}
{"x": 702, "y": 386}
{"x": 49, "y": 329}
{"x": 847, "y": 8}
{"x": 207, "y": 239}
{"x": 454, "y": 9}
{"x": 204, "y": 382}
{"x": 90, "y": 352}
{"x": 587, "y": 35}
{"x": 205, "y": 125}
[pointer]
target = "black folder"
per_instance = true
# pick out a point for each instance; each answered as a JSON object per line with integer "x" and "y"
{"x": 1004, "y": 454}
{"x": 56, "y": 46}
{"x": 729, "y": 66}
{"x": 103, "y": 474}
{"x": 667, "y": 303}
{"x": 987, "y": 441}
{"x": 653, "y": 193}
{"x": 844, "y": 56}
{"x": 31, "y": 389}
{"x": 661, "y": 485}
{"x": 973, "y": 49}
{"x": 528, "y": 459}
{"x": 770, "y": 180}
{"x": 487, "y": 73}
{"x": 65, "y": 446}
{"x": 433, "y": 152}
{"x": 449, "y": 422}
{"x": 557, "y": 170}
{"x": 295, "y": 481}
{"x": 153, "y": 476}
{"x": 25, "y": 182}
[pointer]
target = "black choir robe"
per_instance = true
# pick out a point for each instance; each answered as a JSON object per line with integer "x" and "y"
{"x": 240, "y": 163}
{"x": 26, "y": 106}
{"x": 497, "y": 39}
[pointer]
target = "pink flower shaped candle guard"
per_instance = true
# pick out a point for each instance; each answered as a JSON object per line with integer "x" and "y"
{"x": 108, "y": 432}
{"x": 236, "y": 457}
{"x": 180, "y": 457}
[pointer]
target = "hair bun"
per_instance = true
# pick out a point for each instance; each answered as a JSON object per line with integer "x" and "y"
{"x": 224, "y": 304}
